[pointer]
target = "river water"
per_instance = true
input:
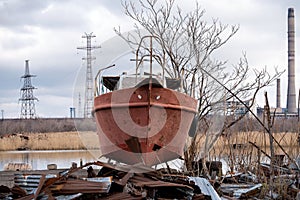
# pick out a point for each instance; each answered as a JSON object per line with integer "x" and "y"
{"x": 64, "y": 159}
{"x": 40, "y": 159}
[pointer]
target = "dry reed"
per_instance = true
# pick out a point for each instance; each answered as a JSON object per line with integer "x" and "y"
{"x": 45, "y": 141}
{"x": 72, "y": 141}
{"x": 241, "y": 140}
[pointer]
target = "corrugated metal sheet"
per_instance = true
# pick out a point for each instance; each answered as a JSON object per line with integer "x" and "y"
{"x": 30, "y": 182}
{"x": 246, "y": 191}
{"x": 205, "y": 187}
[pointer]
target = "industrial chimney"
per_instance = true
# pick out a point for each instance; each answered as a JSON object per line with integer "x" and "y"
{"x": 278, "y": 94}
{"x": 291, "y": 94}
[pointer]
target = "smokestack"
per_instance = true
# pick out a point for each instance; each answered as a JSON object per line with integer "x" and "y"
{"x": 291, "y": 94}
{"x": 278, "y": 94}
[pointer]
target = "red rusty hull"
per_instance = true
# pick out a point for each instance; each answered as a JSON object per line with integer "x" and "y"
{"x": 138, "y": 125}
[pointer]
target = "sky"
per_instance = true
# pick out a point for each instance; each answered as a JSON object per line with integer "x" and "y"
{"x": 48, "y": 32}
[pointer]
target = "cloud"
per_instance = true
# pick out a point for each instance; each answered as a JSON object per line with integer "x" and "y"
{"x": 53, "y": 106}
{"x": 47, "y": 32}
{"x": 15, "y": 13}
{"x": 10, "y": 109}
{"x": 21, "y": 15}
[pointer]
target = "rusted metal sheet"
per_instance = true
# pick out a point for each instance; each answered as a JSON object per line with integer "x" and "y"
{"x": 153, "y": 184}
{"x": 118, "y": 196}
{"x": 17, "y": 191}
{"x": 157, "y": 189}
{"x": 93, "y": 185}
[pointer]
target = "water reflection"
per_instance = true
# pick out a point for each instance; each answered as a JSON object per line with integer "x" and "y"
{"x": 64, "y": 158}
{"x": 40, "y": 159}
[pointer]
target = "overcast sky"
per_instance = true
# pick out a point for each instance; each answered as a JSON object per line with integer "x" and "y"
{"x": 47, "y": 32}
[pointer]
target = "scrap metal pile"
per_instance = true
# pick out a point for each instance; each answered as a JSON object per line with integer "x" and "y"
{"x": 111, "y": 182}
{"x": 276, "y": 181}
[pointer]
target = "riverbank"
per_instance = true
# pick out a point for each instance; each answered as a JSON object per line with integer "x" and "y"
{"x": 46, "y": 125}
{"x": 74, "y": 140}
{"x": 49, "y": 141}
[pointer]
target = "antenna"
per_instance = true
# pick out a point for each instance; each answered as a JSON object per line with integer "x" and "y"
{"x": 88, "y": 99}
{"x": 27, "y": 99}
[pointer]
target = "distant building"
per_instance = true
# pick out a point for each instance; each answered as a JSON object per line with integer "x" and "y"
{"x": 277, "y": 112}
{"x": 236, "y": 108}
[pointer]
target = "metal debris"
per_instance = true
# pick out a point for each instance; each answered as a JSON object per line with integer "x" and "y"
{"x": 119, "y": 182}
{"x": 112, "y": 183}
{"x": 205, "y": 187}
{"x": 30, "y": 182}
{"x": 17, "y": 166}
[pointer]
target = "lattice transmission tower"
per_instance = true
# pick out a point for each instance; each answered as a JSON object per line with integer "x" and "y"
{"x": 27, "y": 98}
{"x": 88, "y": 98}
{"x": 79, "y": 106}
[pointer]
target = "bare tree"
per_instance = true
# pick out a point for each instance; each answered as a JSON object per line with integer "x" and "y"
{"x": 187, "y": 44}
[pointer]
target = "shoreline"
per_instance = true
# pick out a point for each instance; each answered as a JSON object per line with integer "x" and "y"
{"x": 44, "y": 151}
{"x": 72, "y": 140}
{"x": 89, "y": 140}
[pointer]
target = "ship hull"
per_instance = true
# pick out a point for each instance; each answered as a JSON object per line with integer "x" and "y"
{"x": 143, "y": 125}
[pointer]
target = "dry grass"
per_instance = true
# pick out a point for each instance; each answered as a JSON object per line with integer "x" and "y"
{"x": 241, "y": 155}
{"x": 261, "y": 139}
{"x": 83, "y": 140}
{"x": 46, "y": 141}
{"x": 242, "y": 140}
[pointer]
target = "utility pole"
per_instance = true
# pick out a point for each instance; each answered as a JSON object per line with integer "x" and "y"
{"x": 72, "y": 112}
{"x": 27, "y": 98}
{"x": 88, "y": 98}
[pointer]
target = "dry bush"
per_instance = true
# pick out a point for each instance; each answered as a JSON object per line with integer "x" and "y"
{"x": 46, "y": 125}
{"x": 280, "y": 125}
{"x": 45, "y": 141}
{"x": 11, "y": 142}
{"x": 240, "y": 155}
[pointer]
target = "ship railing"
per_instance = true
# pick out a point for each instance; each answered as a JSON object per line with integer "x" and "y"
{"x": 151, "y": 55}
{"x": 99, "y": 80}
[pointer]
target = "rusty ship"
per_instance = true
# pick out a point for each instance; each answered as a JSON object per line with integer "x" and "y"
{"x": 143, "y": 118}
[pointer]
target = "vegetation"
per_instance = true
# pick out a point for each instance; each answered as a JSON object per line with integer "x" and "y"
{"x": 185, "y": 46}
{"x": 45, "y": 141}
{"x": 14, "y": 126}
